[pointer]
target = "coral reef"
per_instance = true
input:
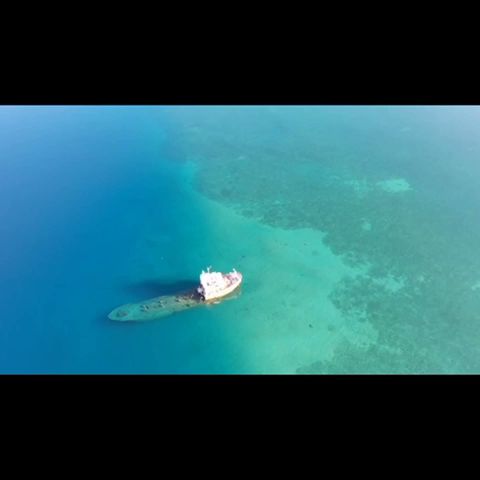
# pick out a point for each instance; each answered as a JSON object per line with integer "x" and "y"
{"x": 428, "y": 313}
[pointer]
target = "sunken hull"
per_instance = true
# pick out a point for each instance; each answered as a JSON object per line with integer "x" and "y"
{"x": 163, "y": 306}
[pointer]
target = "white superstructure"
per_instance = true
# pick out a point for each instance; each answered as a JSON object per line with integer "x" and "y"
{"x": 216, "y": 284}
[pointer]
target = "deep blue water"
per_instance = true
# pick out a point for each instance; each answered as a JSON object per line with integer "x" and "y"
{"x": 79, "y": 188}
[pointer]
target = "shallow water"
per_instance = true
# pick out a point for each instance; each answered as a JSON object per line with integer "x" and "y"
{"x": 356, "y": 229}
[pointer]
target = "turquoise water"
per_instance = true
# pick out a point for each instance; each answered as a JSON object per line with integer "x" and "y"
{"x": 356, "y": 229}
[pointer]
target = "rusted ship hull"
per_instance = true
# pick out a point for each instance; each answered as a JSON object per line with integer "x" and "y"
{"x": 163, "y": 306}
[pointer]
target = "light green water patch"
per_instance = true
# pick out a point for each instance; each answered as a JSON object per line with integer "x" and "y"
{"x": 360, "y": 187}
{"x": 366, "y": 226}
{"x": 363, "y": 187}
{"x": 284, "y": 317}
{"x": 394, "y": 185}
{"x": 476, "y": 286}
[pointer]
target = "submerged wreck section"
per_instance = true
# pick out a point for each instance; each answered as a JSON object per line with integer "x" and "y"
{"x": 162, "y": 306}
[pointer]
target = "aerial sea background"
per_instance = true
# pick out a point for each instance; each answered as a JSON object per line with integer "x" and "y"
{"x": 356, "y": 228}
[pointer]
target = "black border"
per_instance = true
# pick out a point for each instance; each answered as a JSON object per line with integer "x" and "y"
{"x": 183, "y": 389}
{"x": 233, "y": 89}
{"x": 354, "y": 74}
{"x": 246, "y": 56}
{"x": 188, "y": 411}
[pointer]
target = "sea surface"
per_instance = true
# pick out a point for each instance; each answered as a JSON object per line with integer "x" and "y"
{"x": 357, "y": 230}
